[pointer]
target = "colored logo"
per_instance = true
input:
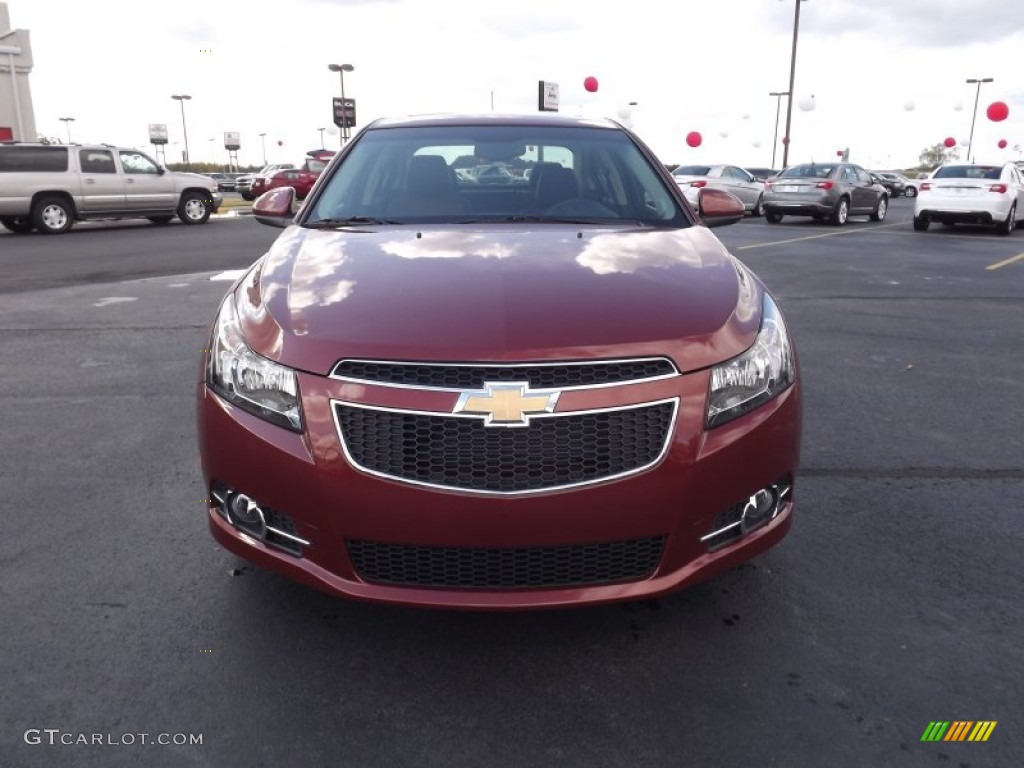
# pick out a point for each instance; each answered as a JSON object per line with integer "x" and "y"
{"x": 506, "y": 404}
{"x": 958, "y": 730}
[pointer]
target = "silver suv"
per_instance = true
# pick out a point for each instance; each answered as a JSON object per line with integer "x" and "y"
{"x": 47, "y": 187}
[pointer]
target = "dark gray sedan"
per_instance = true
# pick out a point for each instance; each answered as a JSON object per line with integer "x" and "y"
{"x": 833, "y": 191}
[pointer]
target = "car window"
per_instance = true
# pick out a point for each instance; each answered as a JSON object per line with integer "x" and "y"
{"x": 811, "y": 170}
{"x": 692, "y": 170}
{"x": 97, "y": 161}
{"x": 33, "y": 159}
{"x": 458, "y": 173}
{"x": 864, "y": 176}
{"x": 136, "y": 162}
{"x": 968, "y": 172}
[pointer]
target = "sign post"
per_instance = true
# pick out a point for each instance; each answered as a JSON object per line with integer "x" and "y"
{"x": 344, "y": 115}
{"x": 547, "y": 96}
{"x": 232, "y": 143}
{"x": 158, "y": 138}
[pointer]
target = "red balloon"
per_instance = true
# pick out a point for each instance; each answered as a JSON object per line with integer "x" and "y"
{"x": 950, "y": 142}
{"x": 693, "y": 139}
{"x": 1002, "y": 143}
{"x": 997, "y": 111}
{"x": 590, "y": 84}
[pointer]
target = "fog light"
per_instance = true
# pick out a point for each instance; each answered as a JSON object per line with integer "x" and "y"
{"x": 759, "y": 509}
{"x": 246, "y": 513}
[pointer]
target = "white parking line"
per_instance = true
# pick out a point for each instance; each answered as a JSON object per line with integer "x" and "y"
{"x": 230, "y": 274}
{"x": 108, "y": 300}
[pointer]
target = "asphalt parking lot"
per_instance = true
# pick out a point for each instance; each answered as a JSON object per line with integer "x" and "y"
{"x": 894, "y": 602}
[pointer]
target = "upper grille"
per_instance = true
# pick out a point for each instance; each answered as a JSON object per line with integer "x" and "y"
{"x": 540, "y": 375}
{"x": 506, "y": 568}
{"x": 462, "y": 454}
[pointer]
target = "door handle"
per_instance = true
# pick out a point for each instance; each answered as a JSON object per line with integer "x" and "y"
{"x": 129, "y": 181}
{"x": 90, "y": 181}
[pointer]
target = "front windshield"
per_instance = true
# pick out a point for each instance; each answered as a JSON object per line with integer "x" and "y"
{"x": 465, "y": 173}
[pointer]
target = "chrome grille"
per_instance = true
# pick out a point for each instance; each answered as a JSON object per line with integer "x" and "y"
{"x": 506, "y": 567}
{"x": 457, "y": 376}
{"x": 554, "y": 451}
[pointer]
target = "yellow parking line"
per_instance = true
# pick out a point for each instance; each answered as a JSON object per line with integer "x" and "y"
{"x": 1004, "y": 262}
{"x": 815, "y": 237}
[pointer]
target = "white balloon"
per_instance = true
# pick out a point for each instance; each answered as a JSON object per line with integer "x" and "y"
{"x": 964, "y": 142}
{"x": 746, "y": 115}
{"x": 332, "y": 131}
{"x": 624, "y": 113}
{"x": 757, "y": 144}
{"x": 909, "y": 106}
{"x": 807, "y": 103}
{"x": 958, "y": 107}
{"x": 724, "y": 134}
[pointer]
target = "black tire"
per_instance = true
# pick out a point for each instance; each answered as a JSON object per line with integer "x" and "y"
{"x": 758, "y": 207}
{"x": 18, "y": 224}
{"x": 52, "y": 215}
{"x": 772, "y": 218}
{"x": 160, "y": 219}
{"x": 880, "y": 209}
{"x": 247, "y": 197}
{"x": 841, "y": 212}
{"x": 1007, "y": 227}
{"x": 921, "y": 224}
{"x": 195, "y": 208}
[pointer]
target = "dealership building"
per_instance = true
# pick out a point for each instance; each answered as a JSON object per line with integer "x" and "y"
{"x": 17, "y": 118}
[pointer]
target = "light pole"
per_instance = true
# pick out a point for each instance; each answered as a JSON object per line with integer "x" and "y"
{"x": 67, "y": 124}
{"x": 181, "y": 99}
{"x": 778, "y": 104}
{"x": 792, "y": 77}
{"x": 263, "y": 139}
{"x": 341, "y": 69}
{"x": 321, "y": 137}
{"x": 977, "y": 95}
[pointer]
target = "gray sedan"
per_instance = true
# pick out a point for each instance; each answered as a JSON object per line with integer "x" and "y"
{"x": 731, "y": 178}
{"x": 832, "y": 191}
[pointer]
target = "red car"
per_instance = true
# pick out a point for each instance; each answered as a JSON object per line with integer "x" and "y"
{"x": 301, "y": 179}
{"x": 440, "y": 393}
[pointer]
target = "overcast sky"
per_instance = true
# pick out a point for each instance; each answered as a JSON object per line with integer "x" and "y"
{"x": 692, "y": 65}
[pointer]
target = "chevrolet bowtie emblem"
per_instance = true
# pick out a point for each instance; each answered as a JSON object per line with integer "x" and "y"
{"x": 507, "y": 404}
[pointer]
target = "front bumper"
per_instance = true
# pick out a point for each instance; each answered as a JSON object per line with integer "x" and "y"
{"x": 308, "y": 478}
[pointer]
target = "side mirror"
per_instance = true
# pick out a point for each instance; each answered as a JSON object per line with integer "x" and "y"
{"x": 276, "y": 207}
{"x": 718, "y": 207}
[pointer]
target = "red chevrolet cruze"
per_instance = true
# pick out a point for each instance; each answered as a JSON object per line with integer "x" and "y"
{"x": 559, "y": 389}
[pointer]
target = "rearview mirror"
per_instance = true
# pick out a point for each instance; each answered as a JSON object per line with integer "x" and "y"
{"x": 275, "y": 208}
{"x": 718, "y": 207}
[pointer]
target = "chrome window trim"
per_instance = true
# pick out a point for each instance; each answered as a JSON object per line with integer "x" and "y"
{"x": 498, "y": 364}
{"x": 669, "y": 434}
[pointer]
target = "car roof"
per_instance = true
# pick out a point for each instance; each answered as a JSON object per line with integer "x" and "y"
{"x": 422, "y": 121}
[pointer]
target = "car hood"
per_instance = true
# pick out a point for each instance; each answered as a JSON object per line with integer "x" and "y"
{"x": 498, "y": 293}
{"x": 183, "y": 179}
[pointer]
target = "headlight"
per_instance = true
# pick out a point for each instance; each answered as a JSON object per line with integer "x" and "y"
{"x": 756, "y": 376}
{"x": 253, "y": 383}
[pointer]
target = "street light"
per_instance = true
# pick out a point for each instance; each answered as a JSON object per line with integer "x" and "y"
{"x": 321, "y": 137}
{"x": 181, "y": 99}
{"x": 792, "y": 77}
{"x": 778, "y": 104}
{"x": 67, "y": 124}
{"x": 977, "y": 94}
{"x": 341, "y": 69}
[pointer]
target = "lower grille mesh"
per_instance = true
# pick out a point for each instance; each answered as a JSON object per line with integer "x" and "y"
{"x": 506, "y": 568}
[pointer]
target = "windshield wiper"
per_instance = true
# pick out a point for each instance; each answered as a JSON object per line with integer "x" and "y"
{"x": 351, "y": 221}
{"x": 538, "y": 219}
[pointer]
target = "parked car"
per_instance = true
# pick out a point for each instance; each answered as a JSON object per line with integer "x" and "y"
{"x": 731, "y": 178}
{"x": 258, "y": 185}
{"x": 762, "y": 174}
{"x": 301, "y": 179}
{"x": 832, "y": 191}
{"x": 440, "y": 393}
{"x": 893, "y": 186}
{"x": 972, "y": 194}
{"x": 909, "y": 185}
{"x": 225, "y": 182}
{"x": 243, "y": 185}
{"x": 47, "y": 187}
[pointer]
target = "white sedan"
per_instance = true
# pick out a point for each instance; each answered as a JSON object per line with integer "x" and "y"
{"x": 731, "y": 178}
{"x": 972, "y": 194}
